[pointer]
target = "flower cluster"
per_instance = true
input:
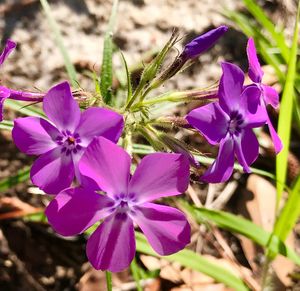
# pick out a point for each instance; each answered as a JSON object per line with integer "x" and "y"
{"x": 80, "y": 162}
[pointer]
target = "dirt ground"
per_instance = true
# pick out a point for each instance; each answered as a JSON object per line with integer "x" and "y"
{"x": 32, "y": 256}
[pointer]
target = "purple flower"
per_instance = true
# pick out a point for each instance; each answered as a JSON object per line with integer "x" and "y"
{"x": 127, "y": 200}
{"x": 229, "y": 123}
{"x": 203, "y": 42}
{"x": 268, "y": 94}
{"x": 61, "y": 142}
{"x": 13, "y": 94}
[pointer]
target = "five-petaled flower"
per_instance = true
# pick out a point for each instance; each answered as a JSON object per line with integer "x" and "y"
{"x": 268, "y": 94}
{"x": 61, "y": 142}
{"x": 229, "y": 122}
{"x": 127, "y": 200}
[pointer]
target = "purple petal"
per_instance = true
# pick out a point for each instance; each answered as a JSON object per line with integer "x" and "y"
{"x": 246, "y": 149}
{"x": 100, "y": 122}
{"x": 112, "y": 246}
{"x": 34, "y": 136}
{"x": 210, "y": 120}
{"x": 255, "y": 71}
{"x": 166, "y": 228}
{"x": 275, "y": 138}
{"x": 9, "y": 46}
{"x": 108, "y": 165}
{"x": 53, "y": 172}
{"x": 203, "y": 42}
{"x": 4, "y": 94}
{"x": 258, "y": 119}
{"x": 231, "y": 87}
{"x": 76, "y": 209}
{"x": 222, "y": 168}
{"x": 270, "y": 96}
{"x": 250, "y": 99}
{"x": 159, "y": 175}
{"x": 61, "y": 108}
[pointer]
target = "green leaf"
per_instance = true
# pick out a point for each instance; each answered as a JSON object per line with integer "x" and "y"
{"x": 30, "y": 110}
{"x": 59, "y": 42}
{"x": 6, "y": 124}
{"x": 237, "y": 224}
{"x": 128, "y": 75}
{"x": 136, "y": 274}
{"x": 108, "y": 280}
{"x": 289, "y": 214}
{"x": 22, "y": 176}
{"x": 196, "y": 262}
{"x": 285, "y": 115}
{"x": 145, "y": 150}
{"x": 106, "y": 68}
{"x": 261, "y": 17}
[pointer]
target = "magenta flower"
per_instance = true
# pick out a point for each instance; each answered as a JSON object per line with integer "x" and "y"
{"x": 127, "y": 200}
{"x": 61, "y": 142}
{"x": 268, "y": 94}
{"x": 229, "y": 123}
{"x": 13, "y": 94}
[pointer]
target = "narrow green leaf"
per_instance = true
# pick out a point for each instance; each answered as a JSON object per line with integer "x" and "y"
{"x": 196, "y": 262}
{"x": 145, "y": 149}
{"x": 21, "y": 176}
{"x": 59, "y": 42}
{"x": 6, "y": 124}
{"x": 244, "y": 227}
{"x": 136, "y": 274}
{"x": 285, "y": 115}
{"x": 108, "y": 280}
{"x": 129, "y": 85}
{"x": 30, "y": 110}
{"x": 261, "y": 17}
{"x": 289, "y": 214}
{"x": 106, "y": 68}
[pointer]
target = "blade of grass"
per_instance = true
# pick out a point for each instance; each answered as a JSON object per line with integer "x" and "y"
{"x": 196, "y": 262}
{"x": 22, "y": 176}
{"x": 136, "y": 274}
{"x": 145, "y": 150}
{"x": 106, "y": 68}
{"x": 129, "y": 85}
{"x": 241, "y": 226}
{"x": 59, "y": 42}
{"x": 30, "y": 110}
{"x": 6, "y": 124}
{"x": 285, "y": 115}
{"x": 261, "y": 17}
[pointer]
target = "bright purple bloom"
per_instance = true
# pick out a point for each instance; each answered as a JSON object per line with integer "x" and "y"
{"x": 268, "y": 94}
{"x": 128, "y": 200}
{"x": 61, "y": 142}
{"x": 13, "y": 94}
{"x": 203, "y": 42}
{"x": 229, "y": 123}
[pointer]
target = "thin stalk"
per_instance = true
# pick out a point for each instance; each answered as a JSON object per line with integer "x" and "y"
{"x": 108, "y": 280}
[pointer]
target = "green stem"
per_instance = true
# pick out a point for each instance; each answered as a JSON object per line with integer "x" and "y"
{"x": 108, "y": 280}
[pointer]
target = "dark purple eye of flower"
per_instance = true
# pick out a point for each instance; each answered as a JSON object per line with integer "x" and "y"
{"x": 69, "y": 142}
{"x": 235, "y": 124}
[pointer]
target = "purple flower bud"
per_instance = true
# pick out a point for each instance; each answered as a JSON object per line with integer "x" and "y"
{"x": 203, "y": 42}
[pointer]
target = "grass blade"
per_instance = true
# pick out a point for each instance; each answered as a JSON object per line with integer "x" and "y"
{"x": 196, "y": 262}
{"x": 6, "y": 124}
{"x": 59, "y": 42}
{"x": 129, "y": 85}
{"x": 237, "y": 224}
{"x": 285, "y": 115}
{"x": 136, "y": 274}
{"x": 106, "y": 68}
{"x": 261, "y": 17}
{"x": 30, "y": 110}
{"x": 21, "y": 176}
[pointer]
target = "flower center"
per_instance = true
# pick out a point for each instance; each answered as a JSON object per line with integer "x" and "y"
{"x": 70, "y": 142}
{"x": 124, "y": 204}
{"x": 235, "y": 124}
